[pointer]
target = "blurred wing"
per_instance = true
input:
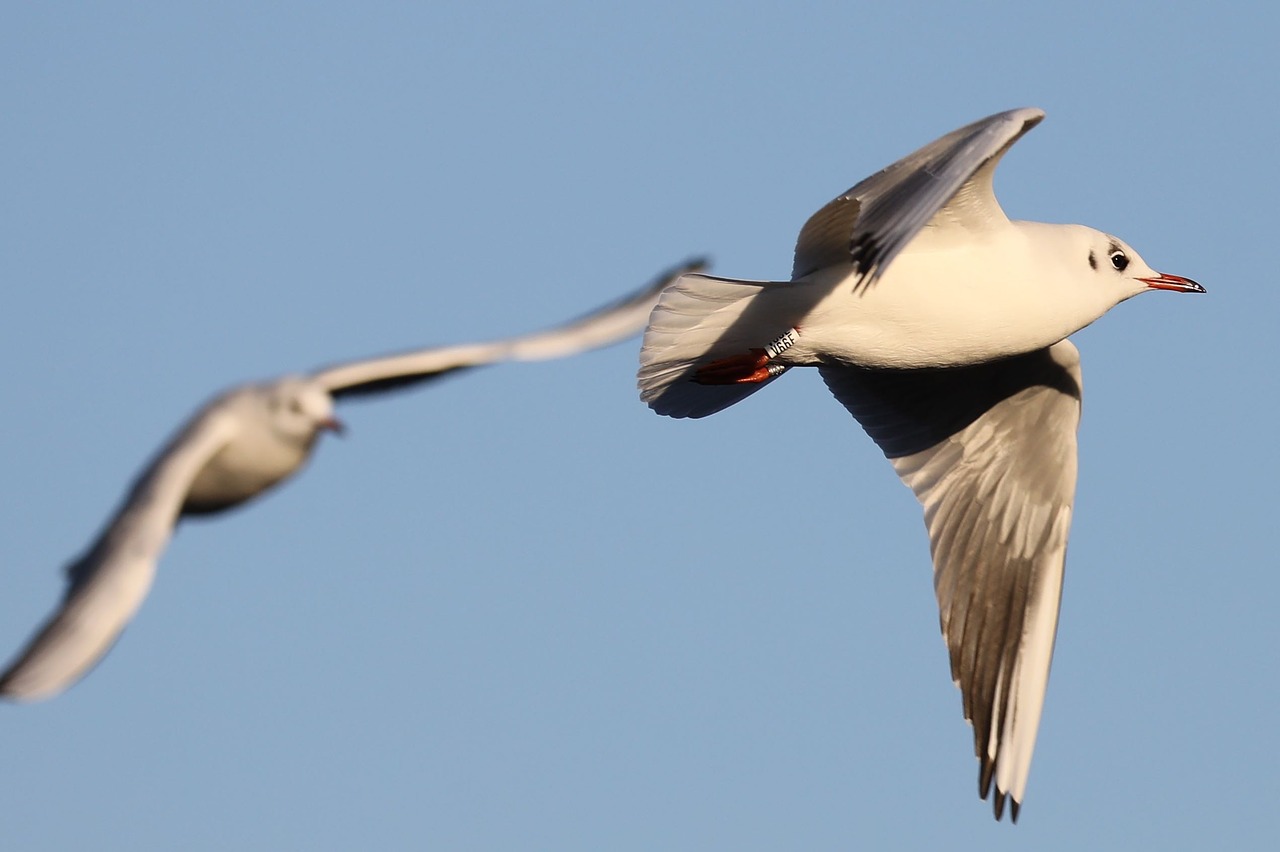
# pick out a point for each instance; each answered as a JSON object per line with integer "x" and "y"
{"x": 990, "y": 452}
{"x": 108, "y": 584}
{"x": 948, "y": 181}
{"x": 607, "y": 325}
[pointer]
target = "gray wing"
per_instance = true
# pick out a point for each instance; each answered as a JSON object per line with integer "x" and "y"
{"x": 609, "y": 324}
{"x": 950, "y": 178}
{"x": 106, "y": 586}
{"x": 990, "y": 452}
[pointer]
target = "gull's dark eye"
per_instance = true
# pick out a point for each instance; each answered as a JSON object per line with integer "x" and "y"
{"x": 295, "y": 406}
{"x": 1119, "y": 261}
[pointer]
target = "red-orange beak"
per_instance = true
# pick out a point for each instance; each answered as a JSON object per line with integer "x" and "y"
{"x": 1176, "y": 283}
{"x": 334, "y": 425}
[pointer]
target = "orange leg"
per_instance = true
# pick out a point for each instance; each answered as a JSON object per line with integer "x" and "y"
{"x": 736, "y": 370}
{"x": 752, "y": 368}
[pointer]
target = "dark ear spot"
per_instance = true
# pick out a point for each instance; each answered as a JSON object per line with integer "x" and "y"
{"x": 1093, "y": 261}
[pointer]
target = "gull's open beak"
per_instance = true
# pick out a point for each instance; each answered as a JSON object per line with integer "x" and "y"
{"x": 1176, "y": 283}
{"x": 334, "y": 425}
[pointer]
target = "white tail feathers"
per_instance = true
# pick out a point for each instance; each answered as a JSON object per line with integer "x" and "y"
{"x": 699, "y": 319}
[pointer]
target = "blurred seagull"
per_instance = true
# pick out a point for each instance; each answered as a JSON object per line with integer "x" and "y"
{"x": 940, "y": 324}
{"x": 239, "y": 445}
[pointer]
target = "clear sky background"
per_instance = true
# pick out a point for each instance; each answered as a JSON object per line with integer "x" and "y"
{"x": 517, "y": 610}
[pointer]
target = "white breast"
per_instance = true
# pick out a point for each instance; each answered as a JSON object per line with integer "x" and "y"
{"x": 943, "y": 302}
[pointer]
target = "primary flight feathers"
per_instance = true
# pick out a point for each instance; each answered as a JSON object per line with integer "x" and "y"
{"x": 238, "y": 445}
{"x": 940, "y": 325}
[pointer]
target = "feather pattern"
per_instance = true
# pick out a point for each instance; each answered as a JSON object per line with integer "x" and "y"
{"x": 874, "y": 220}
{"x": 990, "y": 452}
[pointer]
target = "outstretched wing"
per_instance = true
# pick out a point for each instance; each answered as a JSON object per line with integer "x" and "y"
{"x": 610, "y": 324}
{"x": 106, "y": 586}
{"x": 948, "y": 180}
{"x": 990, "y": 452}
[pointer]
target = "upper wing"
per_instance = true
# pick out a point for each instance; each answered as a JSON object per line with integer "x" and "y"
{"x": 949, "y": 178}
{"x": 990, "y": 452}
{"x": 106, "y": 586}
{"x": 601, "y": 327}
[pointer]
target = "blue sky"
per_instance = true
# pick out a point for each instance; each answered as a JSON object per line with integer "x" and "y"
{"x": 516, "y": 610}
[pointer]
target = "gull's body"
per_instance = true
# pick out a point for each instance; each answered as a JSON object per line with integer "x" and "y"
{"x": 240, "y": 444}
{"x": 988, "y": 309}
{"x": 257, "y": 454}
{"x": 940, "y": 324}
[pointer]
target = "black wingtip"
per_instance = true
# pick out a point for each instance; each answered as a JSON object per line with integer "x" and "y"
{"x": 657, "y": 284}
{"x": 997, "y": 805}
{"x": 997, "y": 801}
{"x": 693, "y": 264}
{"x": 986, "y": 771}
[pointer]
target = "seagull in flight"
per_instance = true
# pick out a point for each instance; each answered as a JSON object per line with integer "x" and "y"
{"x": 239, "y": 445}
{"x": 941, "y": 326}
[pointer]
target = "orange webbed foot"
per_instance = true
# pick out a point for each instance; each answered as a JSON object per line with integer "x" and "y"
{"x": 735, "y": 370}
{"x": 752, "y": 368}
